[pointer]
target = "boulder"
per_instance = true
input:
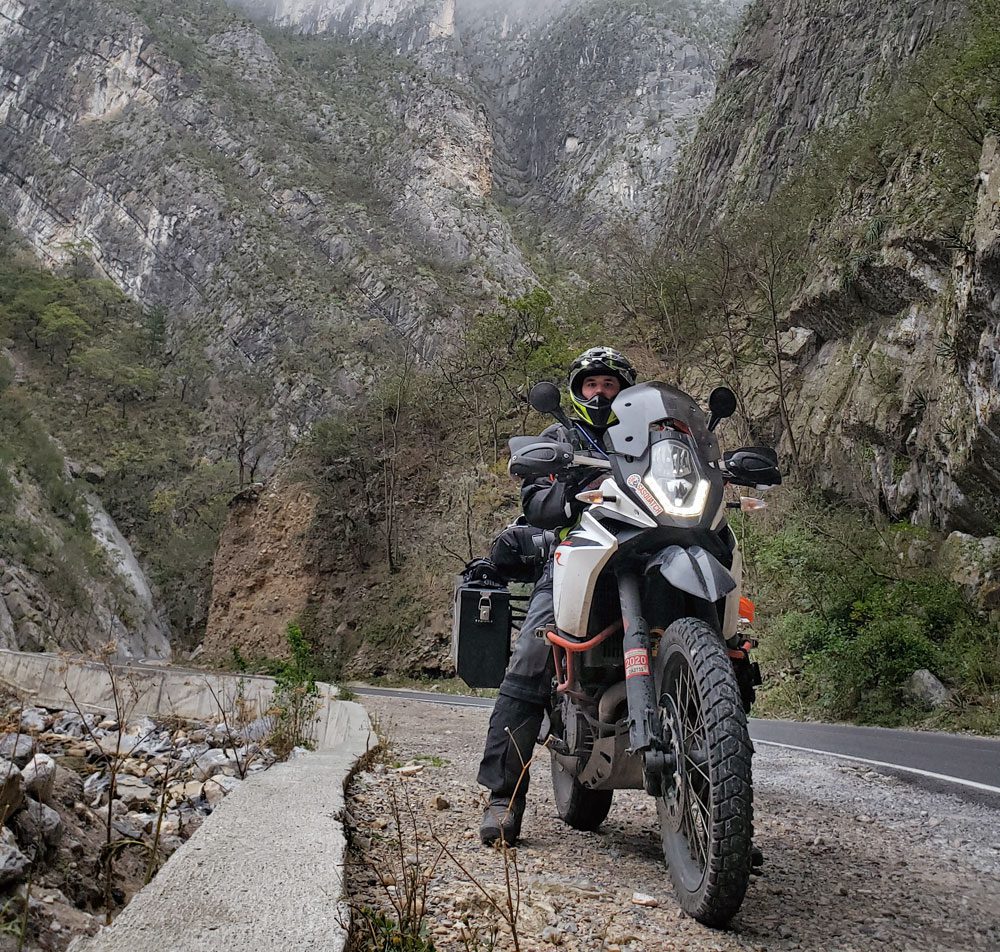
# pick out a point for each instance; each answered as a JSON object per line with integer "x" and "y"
{"x": 116, "y": 745}
{"x": 131, "y": 790}
{"x": 40, "y": 777}
{"x": 152, "y": 743}
{"x": 17, "y": 747}
{"x": 927, "y": 690}
{"x": 217, "y": 787}
{"x": 210, "y": 763}
{"x": 169, "y": 826}
{"x": 974, "y": 564}
{"x": 13, "y": 863}
{"x": 190, "y": 790}
{"x": 191, "y": 752}
{"x": 34, "y": 720}
{"x": 11, "y": 789}
{"x": 71, "y": 724}
{"x": 37, "y": 826}
{"x": 127, "y": 827}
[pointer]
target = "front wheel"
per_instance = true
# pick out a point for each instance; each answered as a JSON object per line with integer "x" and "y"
{"x": 706, "y": 806}
{"x": 577, "y": 805}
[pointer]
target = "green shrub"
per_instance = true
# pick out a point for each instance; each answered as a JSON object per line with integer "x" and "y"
{"x": 296, "y": 696}
{"x": 849, "y": 622}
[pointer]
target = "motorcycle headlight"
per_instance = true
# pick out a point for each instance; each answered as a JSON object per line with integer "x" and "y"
{"x": 674, "y": 480}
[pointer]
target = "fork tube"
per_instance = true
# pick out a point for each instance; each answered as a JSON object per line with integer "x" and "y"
{"x": 639, "y": 686}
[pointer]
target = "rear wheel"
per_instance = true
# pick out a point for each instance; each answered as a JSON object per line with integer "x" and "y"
{"x": 579, "y": 806}
{"x": 706, "y": 806}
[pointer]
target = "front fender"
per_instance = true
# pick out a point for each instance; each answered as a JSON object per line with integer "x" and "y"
{"x": 694, "y": 571}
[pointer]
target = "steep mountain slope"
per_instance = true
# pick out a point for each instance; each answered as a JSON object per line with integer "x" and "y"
{"x": 589, "y": 101}
{"x": 298, "y": 190}
{"x": 313, "y": 206}
{"x": 846, "y": 168}
{"x": 797, "y": 67}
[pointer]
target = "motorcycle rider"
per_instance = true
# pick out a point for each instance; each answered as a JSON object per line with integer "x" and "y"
{"x": 595, "y": 379}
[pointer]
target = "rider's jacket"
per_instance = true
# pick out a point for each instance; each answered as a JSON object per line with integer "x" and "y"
{"x": 549, "y": 503}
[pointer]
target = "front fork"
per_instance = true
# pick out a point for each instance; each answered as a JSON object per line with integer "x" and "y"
{"x": 647, "y": 736}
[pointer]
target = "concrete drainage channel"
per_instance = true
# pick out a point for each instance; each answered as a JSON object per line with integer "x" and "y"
{"x": 265, "y": 871}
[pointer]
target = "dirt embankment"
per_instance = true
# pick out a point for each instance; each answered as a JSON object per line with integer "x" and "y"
{"x": 854, "y": 860}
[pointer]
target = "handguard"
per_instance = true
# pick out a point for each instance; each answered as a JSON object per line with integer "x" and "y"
{"x": 530, "y": 456}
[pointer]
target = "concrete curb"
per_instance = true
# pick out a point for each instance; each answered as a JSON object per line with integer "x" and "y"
{"x": 264, "y": 872}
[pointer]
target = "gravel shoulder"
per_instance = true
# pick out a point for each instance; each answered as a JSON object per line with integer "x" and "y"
{"x": 855, "y": 859}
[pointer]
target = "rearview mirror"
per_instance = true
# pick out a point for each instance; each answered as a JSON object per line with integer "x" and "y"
{"x": 544, "y": 397}
{"x": 722, "y": 404}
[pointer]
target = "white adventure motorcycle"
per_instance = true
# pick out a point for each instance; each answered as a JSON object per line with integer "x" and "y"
{"x": 653, "y": 676}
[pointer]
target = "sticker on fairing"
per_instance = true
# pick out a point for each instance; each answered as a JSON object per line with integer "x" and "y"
{"x": 636, "y": 663}
{"x": 635, "y": 481}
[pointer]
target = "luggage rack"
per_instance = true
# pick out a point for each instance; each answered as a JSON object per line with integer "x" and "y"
{"x": 518, "y": 609}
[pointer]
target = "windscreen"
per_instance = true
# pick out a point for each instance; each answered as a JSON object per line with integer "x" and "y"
{"x": 639, "y": 407}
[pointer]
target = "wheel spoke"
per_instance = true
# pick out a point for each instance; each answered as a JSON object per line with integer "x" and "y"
{"x": 697, "y": 836}
{"x": 692, "y": 743}
{"x": 698, "y": 763}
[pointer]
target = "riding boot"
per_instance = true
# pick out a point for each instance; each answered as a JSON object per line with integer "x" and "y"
{"x": 510, "y": 744}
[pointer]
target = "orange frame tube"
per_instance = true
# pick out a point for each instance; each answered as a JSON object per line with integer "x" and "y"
{"x": 563, "y": 650}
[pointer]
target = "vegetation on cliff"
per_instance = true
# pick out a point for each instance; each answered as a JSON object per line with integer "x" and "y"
{"x": 98, "y": 381}
{"x": 850, "y": 607}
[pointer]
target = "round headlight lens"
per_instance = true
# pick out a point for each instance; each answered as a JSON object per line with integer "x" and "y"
{"x": 674, "y": 479}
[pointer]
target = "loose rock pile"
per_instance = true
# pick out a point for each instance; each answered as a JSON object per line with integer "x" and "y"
{"x": 73, "y": 785}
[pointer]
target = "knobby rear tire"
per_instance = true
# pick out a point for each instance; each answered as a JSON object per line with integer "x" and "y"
{"x": 706, "y": 812}
{"x": 577, "y": 805}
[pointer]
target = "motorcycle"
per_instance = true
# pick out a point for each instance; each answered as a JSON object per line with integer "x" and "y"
{"x": 654, "y": 678}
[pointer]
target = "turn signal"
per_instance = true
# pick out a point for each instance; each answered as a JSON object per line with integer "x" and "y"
{"x": 594, "y": 496}
{"x": 750, "y": 504}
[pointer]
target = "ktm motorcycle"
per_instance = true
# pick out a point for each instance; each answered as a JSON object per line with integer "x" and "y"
{"x": 653, "y": 676}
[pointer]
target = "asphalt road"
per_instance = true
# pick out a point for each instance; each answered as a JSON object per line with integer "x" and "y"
{"x": 935, "y": 760}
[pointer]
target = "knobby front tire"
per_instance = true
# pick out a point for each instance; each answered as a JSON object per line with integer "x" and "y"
{"x": 706, "y": 808}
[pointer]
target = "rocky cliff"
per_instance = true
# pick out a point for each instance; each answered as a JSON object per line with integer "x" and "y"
{"x": 68, "y": 577}
{"x": 588, "y": 101}
{"x": 840, "y": 116}
{"x": 294, "y": 194}
{"x": 797, "y": 67}
{"x": 316, "y": 188}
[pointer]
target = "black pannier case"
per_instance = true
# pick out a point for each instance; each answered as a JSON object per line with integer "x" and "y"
{"x": 480, "y": 635}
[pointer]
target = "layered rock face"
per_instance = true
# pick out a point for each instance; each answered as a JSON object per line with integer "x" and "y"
{"x": 285, "y": 194}
{"x": 279, "y": 209}
{"x": 890, "y": 364}
{"x": 589, "y": 102}
{"x": 796, "y": 66}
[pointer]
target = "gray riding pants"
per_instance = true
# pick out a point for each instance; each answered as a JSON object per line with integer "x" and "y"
{"x": 524, "y": 695}
{"x": 530, "y": 670}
